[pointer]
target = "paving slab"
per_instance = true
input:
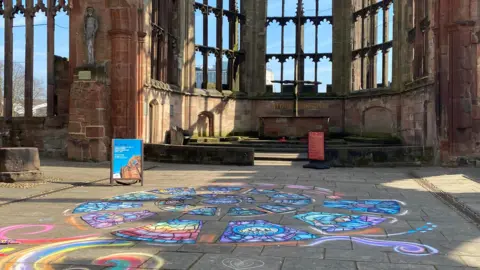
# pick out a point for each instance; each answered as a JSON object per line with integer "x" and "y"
{"x": 221, "y": 262}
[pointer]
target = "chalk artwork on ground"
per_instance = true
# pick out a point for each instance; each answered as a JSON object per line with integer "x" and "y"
{"x": 227, "y": 199}
{"x": 365, "y": 229}
{"x": 182, "y": 197}
{"x": 330, "y": 223}
{"x": 130, "y": 261}
{"x": 43, "y": 229}
{"x": 89, "y": 207}
{"x": 170, "y": 201}
{"x": 278, "y": 209}
{"x": 110, "y": 219}
{"x": 406, "y": 248}
{"x": 259, "y": 191}
{"x": 177, "y": 207}
{"x": 169, "y": 232}
{"x": 136, "y": 196}
{"x": 238, "y": 264}
{"x": 35, "y": 257}
{"x": 5, "y": 251}
{"x": 300, "y": 202}
{"x": 219, "y": 189}
{"x": 204, "y": 211}
{"x": 299, "y": 187}
{"x": 389, "y": 207}
{"x": 243, "y": 212}
{"x": 289, "y": 196}
{"x": 174, "y": 191}
{"x": 254, "y": 231}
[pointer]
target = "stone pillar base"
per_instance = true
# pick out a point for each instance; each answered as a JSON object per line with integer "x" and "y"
{"x": 89, "y": 120}
{"x": 19, "y": 164}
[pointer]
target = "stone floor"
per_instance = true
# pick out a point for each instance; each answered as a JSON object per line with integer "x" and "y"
{"x": 275, "y": 215}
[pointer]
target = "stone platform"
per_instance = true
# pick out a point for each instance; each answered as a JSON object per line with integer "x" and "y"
{"x": 19, "y": 164}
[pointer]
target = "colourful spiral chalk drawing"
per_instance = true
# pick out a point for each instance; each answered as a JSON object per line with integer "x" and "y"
{"x": 252, "y": 231}
{"x": 243, "y": 212}
{"x": 127, "y": 261}
{"x": 406, "y": 248}
{"x": 45, "y": 228}
{"x": 390, "y": 207}
{"x": 110, "y": 219}
{"x": 45, "y": 255}
{"x": 332, "y": 223}
{"x": 89, "y": 207}
{"x": 136, "y": 196}
{"x": 169, "y": 232}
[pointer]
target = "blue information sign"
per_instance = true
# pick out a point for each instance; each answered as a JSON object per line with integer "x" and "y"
{"x": 127, "y": 160}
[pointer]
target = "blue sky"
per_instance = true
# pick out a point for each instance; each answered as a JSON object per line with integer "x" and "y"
{"x": 274, "y": 8}
{"x": 40, "y": 41}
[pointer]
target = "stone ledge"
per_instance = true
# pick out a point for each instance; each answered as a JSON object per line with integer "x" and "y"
{"x": 10, "y": 177}
{"x": 199, "y": 154}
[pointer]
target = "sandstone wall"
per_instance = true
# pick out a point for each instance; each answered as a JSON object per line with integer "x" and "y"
{"x": 409, "y": 115}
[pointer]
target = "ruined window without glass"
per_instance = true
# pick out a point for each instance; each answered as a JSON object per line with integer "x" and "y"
{"x": 218, "y": 52}
{"x": 372, "y": 43}
{"x": 299, "y": 46}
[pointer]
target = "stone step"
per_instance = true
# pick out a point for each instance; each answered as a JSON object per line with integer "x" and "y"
{"x": 275, "y": 147}
{"x": 361, "y": 156}
{"x": 281, "y": 156}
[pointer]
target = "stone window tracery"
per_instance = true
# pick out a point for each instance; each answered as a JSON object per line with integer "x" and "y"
{"x": 372, "y": 43}
{"x": 418, "y": 38}
{"x": 164, "y": 42}
{"x": 218, "y": 48}
{"x": 304, "y": 45}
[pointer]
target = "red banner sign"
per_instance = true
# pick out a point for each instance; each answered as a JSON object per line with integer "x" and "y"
{"x": 316, "y": 146}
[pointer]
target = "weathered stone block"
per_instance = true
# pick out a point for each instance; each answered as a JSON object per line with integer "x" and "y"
{"x": 95, "y": 131}
{"x": 19, "y": 159}
{"x": 19, "y": 164}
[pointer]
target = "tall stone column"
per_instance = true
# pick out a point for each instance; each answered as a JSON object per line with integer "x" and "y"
{"x": 342, "y": 49}
{"x": 400, "y": 65}
{"x": 122, "y": 72}
{"x": 253, "y": 41}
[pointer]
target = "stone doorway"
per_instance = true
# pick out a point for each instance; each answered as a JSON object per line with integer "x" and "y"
{"x": 153, "y": 121}
{"x": 205, "y": 124}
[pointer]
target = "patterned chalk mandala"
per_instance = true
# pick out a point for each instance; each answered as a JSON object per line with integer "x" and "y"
{"x": 177, "y": 215}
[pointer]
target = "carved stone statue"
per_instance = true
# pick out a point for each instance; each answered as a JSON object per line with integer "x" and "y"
{"x": 90, "y": 28}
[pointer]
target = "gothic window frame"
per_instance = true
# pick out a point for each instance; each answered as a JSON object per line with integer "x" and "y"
{"x": 164, "y": 42}
{"x": 369, "y": 47}
{"x": 233, "y": 53}
{"x": 299, "y": 56}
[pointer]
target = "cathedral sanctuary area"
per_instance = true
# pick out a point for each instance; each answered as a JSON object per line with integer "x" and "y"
{"x": 212, "y": 107}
